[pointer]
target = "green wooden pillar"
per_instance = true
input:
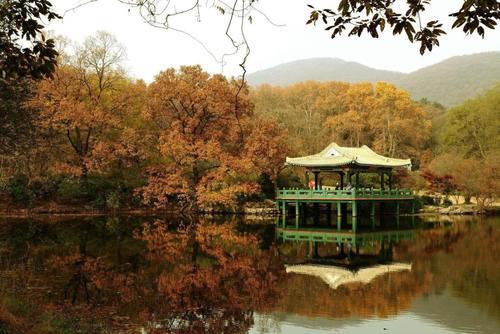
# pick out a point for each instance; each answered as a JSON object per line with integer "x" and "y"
{"x": 397, "y": 209}
{"x": 357, "y": 181}
{"x": 354, "y": 223}
{"x": 354, "y": 208}
{"x": 373, "y": 222}
{"x": 316, "y": 180}
{"x": 339, "y": 209}
{"x": 339, "y": 223}
{"x": 297, "y": 221}
{"x": 284, "y": 208}
{"x": 390, "y": 251}
{"x": 372, "y": 212}
{"x": 297, "y": 209}
{"x": 329, "y": 213}
{"x": 316, "y": 187}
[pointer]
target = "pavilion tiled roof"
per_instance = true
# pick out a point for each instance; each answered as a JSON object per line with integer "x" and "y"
{"x": 337, "y": 156}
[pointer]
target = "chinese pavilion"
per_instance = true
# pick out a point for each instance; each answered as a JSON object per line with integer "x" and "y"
{"x": 348, "y": 163}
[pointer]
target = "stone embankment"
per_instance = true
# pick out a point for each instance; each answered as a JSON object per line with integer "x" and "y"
{"x": 263, "y": 209}
{"x": 462, "y": 209}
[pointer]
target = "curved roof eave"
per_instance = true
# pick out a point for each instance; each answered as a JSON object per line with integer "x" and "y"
{"x": 321, "y": 163}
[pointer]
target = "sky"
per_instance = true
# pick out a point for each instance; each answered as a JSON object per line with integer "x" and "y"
{"x": 278, "y": 37}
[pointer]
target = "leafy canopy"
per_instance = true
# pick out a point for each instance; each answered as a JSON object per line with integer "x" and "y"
{"x": 373, "y": 16}
{"x": 24, "y": 51}
{"x": 472, "y": 128}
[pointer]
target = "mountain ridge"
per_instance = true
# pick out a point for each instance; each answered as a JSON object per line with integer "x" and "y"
{"x": 449, "y": 82}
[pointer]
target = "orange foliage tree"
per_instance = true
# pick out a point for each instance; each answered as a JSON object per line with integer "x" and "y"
{"x": 466, "y": 177}
{"x": 81, "y": 104}
{"x": 206, "y": 140}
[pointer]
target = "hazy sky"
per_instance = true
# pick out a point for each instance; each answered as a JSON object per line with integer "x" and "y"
{"x": 150, "y": 50}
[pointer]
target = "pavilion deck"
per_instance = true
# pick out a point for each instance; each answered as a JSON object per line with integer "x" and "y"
{"x": 335, "y": 195}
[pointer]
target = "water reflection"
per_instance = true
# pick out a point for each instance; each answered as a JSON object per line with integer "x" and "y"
{"x": 444, "y": 256}
{"x": 206, "y": 275}
{"x": 186, "y": 276}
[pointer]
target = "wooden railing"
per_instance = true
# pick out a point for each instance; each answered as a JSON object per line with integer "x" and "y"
{"x": 332, "y": 194}
{"x": 342, "y": 236}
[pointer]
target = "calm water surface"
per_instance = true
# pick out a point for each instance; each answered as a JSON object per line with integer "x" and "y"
{"x": 224, "y": 275}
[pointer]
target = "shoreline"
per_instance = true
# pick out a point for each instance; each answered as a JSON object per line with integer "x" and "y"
{"x": 258, "y": 213}
{"x": 262, "y": 209}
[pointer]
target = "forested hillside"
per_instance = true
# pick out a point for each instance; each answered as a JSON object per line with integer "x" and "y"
{"x": 320, "y": 69}
{"x": 449, "y": 82}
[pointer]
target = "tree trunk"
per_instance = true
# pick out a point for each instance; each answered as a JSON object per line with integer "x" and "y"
{"x": 84, "y": 180}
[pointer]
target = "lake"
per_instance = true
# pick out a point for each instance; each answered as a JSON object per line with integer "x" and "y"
{"x": 227, "y": 275}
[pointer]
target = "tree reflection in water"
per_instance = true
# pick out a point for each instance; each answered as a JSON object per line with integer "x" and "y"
{"x": 199, "y": 276}
{"x": 189, "y": 277}
{"x": 212, "y": 277}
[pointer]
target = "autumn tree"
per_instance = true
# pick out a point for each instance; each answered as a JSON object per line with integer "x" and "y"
{"x": 449, "y": 173}
{"x": 480, "y": 179}
{"x": 267, "y": 145}
{"x": 439, "y": 175}
{"x": 435, "y": 114}
{"x": 82, "y": 102}
{"x": 204, "y": 137}
{"x": 302, "y": 109}
{"x": 352, "y": 126}
{"x": 399, "y": 125}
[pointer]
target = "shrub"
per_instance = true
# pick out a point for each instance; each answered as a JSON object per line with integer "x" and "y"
{"x": 19, "y": 190}
{"x": 427, "y": 200}
{"x": 447, "y": 202}
{"x": 113, "y": 200}
{"x": 99, "y": 203}
{"x": 47, "y": 189}
{"x": 98, "y": 187}
{"x": 69, "y": 190}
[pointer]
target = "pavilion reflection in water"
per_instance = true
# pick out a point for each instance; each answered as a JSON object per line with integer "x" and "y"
{"x": 353, "y": 252}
